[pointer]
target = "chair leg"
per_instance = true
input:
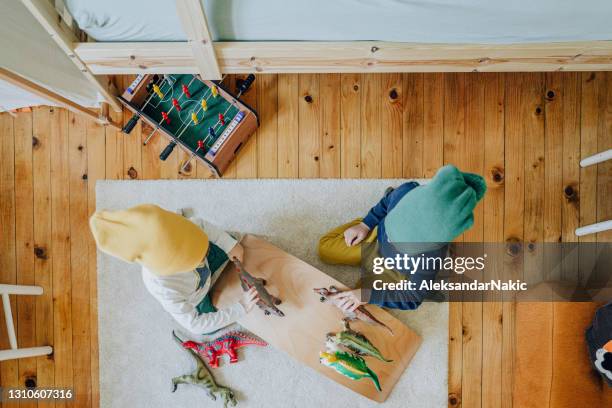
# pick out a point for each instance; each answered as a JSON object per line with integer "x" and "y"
{"x": 594, "y": 228}
{"x": 25, "y": 352}
{"x": 15, "y": 351}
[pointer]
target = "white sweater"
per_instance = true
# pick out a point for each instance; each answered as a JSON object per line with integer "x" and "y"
{"x": 179, "y": 294}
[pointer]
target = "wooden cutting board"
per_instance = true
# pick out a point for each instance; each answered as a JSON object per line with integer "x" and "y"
{"x": 301, "y": 333}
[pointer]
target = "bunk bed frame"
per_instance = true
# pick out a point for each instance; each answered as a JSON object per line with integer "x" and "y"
{"x": 212, "y": 59}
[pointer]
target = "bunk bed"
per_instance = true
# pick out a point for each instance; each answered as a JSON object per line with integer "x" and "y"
{"x": 216, "y": 37}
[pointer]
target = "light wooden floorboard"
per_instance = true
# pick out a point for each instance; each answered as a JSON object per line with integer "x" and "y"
{"x": 525, "y": 133}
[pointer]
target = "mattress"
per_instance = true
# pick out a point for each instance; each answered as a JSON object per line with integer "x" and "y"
{"x": 425, "y": 21}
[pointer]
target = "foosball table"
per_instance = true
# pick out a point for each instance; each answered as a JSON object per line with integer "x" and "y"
{"x": 200, "y": 116}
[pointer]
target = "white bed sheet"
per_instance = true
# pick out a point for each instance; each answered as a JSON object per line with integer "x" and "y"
{"x": 428, "y": 21}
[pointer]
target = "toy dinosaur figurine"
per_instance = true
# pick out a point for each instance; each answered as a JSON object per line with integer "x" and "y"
{"x": 202, "y": 377}
{"x": 266, "y": 301}
{"x": 353, "y": 367}
{"x": 225, "y": 344}
{"x": 354, "y": 342}
{"x": 361, "y": 313}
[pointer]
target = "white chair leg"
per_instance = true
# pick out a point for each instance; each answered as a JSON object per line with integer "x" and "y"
{"x": 596, "y": 158}
{"x": 8, "y": 317}
{"x": 594, "y": 228}
{"x": 25, "y": 352}
{"x": 15, "y": 351}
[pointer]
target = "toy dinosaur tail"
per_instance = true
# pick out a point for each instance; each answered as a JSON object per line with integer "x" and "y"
{"x": 374, "y": 378}
{"x": 247, "y": 338}
{"x": 177, "y": 338}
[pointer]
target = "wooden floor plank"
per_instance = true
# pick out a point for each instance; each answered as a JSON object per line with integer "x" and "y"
{"x": 571, "y": 171}
{"x": 392, "y": 100}
{"x": 132, "y": 143}
{"x": 350, "y": 119}
{"x": 267, "y": 134}
{"x": 589, "y": 126}
{"x": 371, "y": 139}
{"x": 413, "y": 160}
{"x": 493, "y": 210}
{"x": 288, "y": 132}
{"x": 516, "y": 112}
{"x": 329, "y": 89}
{"x": 9, "y": 374}
{"x": 486, "y": 123}
{"x": 309, "y": 125}
{"x": 472, "y": 160}
{"x": 44, "y": 119}
{"x": 604, "y": 170}
{"x": 433, "y": 128}
{"x": 60, "y": 252}
{"x": 246, "y": 162}
{"x": 96, "y": 169}
{"x": 553, "y": 180}
{"x": 79, "y": 261}
{"x": 453, "y": 133}
{"x": 24, "y": 236}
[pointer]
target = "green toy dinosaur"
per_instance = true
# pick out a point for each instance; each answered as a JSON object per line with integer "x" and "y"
{"x": 202, "y": 377}
{"x": 353, "y": 367}
{"x": 354, "y": 342}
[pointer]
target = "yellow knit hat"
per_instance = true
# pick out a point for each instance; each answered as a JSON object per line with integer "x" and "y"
{"x": 162, "y": 241}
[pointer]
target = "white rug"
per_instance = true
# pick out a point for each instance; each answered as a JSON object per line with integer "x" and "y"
{"x": 138, "y": 357}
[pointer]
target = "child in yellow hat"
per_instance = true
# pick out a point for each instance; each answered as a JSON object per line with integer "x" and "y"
{"x": 181, "y": 260}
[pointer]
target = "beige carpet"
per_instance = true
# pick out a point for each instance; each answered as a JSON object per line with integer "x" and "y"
{"x": 137, "y": 355}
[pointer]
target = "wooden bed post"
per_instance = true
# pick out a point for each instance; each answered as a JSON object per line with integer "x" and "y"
{"x": 51, "y": 96}
{"x": 193, "y": 20}
{"x": 44, "y": 12}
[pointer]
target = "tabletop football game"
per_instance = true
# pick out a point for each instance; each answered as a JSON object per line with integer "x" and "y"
{"x": 200, "y": 116}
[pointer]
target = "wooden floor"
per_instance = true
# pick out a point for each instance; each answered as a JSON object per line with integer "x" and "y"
{"x": 524, "y": 132}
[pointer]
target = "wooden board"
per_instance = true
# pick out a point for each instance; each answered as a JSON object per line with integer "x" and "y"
{"x": 301, "y": 333}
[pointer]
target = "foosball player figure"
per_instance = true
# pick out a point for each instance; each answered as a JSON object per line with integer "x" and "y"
{"x": 185, "y": 91}
{"x": 165, "y": 117}
{"x": 181, "y": 259}
{"x": 176, "y": 105}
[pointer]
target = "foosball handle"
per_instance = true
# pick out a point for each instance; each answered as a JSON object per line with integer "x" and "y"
{"x": 166, "y": 152}
{"x": 130, "y": 124}
{"x": 246, "y": 84}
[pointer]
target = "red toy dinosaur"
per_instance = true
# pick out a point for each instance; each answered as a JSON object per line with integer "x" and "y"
{"x": 225, "y": 344}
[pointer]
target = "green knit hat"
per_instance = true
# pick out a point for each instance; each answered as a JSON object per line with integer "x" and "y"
{"x": 438, "y": 211}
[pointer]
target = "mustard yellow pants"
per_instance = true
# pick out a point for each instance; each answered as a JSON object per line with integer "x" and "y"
{"x": 333, "y": 248}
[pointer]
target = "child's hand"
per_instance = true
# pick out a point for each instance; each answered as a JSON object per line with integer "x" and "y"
{"x": 249, "y": 299}
{"x": 237, "y": 252}
{"x": 347, "y": 301}
{"x": 356, "y": 234}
